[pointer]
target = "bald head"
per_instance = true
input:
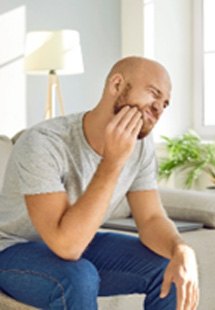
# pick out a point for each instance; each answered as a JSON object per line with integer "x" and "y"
{"x": 133, "y": 68}
{"x": 136, "y": 82}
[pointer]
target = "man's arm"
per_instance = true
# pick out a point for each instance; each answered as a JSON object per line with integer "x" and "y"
{"x": 158, "y": 233}
{"x": 156, "y": 230}
{"x": 67, "y": 229}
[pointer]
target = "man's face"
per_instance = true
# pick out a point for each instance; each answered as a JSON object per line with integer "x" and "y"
{"x": 150, "y": 100}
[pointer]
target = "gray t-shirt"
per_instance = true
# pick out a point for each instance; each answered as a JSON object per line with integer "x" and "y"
{"x": 54, "y": 156}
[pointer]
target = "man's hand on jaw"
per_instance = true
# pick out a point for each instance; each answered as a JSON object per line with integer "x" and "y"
{"x": 182, "y": 270}
{"x": 121, "y": 135}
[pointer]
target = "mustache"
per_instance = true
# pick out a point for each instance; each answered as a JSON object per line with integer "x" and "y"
{"x": 118, "y": 108}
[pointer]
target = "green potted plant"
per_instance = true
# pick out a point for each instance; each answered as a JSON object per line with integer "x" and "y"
{"x": 189, "y": 154}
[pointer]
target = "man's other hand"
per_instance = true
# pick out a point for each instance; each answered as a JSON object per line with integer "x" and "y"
{"x": 182, "y": 271}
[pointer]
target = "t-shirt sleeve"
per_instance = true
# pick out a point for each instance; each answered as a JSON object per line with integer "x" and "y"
{"x": 146, "y": 176}
{"x": 38, "y": 164}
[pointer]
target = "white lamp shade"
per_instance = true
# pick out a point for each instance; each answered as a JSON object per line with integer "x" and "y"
{"x": 53, "y": 50}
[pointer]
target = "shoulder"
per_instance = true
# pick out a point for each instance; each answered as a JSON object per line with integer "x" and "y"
{"x": 49, "y": 132}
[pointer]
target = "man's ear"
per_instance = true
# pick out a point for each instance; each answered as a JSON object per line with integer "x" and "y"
{"x": 116, "y": 84}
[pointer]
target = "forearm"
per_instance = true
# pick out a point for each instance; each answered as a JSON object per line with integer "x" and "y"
{"x": 80, "y": 222}
{"x": 161, "y": 236}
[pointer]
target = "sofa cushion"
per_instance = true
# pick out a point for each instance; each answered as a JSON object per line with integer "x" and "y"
{"x": 190, "y": 205}
{"x": 5, "y": 149}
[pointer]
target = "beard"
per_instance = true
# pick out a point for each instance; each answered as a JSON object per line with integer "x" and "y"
{"x": 122, "y": 101}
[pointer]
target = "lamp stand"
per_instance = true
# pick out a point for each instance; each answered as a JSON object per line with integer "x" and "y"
{"x": 54, "y": 94}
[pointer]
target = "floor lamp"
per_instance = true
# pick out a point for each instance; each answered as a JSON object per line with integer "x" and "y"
{"x": 53, "y": 53}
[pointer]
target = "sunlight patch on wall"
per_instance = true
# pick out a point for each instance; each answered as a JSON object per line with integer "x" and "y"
{"x": 12, "y": 76}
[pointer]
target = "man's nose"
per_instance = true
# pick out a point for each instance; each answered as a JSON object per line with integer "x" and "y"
{"x": 157, "y": 107}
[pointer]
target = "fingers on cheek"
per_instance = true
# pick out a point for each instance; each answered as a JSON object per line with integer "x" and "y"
{"x": 140, "y": 124}
{"x": 137, "y": 128}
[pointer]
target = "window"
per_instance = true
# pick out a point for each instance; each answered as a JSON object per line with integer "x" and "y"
{"x": 12, "y": 77}
{"x": 209, "y": 61}
{"x": 204, "y": 67}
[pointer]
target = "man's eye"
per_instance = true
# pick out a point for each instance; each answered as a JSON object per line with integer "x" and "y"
{"x": 155, "y": 95}
{"x": 165, "y": 105}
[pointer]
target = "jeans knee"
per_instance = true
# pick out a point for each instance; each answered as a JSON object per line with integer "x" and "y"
{"x": 161, "y": 267}
{"x": 163, "y": 263}
{"x": 78, "y": 286}
{"x": 85, "y": 279}
{"x": 157, "y": 273}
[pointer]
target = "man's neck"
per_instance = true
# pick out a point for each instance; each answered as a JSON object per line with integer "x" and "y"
{"x": 94, "y": 125}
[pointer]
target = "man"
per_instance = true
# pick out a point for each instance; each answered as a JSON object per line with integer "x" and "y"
{"x": 66, "y": 176}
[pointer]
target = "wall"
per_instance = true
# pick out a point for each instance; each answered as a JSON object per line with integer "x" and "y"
{"x": 173, "y": 47}
{"x": 132, "y": 25}
{"x": 23, "y": 97}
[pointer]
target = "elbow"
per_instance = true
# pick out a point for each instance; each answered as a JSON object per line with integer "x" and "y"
{"x": 67, "y": 252}
{"x": 65, "y": 247}
{"x": 69, "y": 256}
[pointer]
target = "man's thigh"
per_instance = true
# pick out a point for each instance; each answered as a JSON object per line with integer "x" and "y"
{"x": 124, "y": 264}
{"x": 31, "y": 273}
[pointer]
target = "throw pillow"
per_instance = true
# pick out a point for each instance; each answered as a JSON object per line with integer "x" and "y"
{"x": 5, "y": 149}
{"x": 189, "y": 205}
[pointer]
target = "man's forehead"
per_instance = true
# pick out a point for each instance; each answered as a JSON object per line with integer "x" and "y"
{"x": 162, "y": 88}
{"x": 159, "y": 80}
{"x": 161, "y": 84}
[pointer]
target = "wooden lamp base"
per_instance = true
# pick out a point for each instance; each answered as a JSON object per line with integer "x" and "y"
{"x": 54, "y": 95}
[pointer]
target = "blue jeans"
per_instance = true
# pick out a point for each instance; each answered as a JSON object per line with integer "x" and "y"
{"x": 112, "y": 264}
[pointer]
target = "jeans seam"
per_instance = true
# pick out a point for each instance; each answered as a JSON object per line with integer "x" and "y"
{"x": 44, "y": 276}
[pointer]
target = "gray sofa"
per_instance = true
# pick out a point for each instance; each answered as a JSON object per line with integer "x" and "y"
{"x": 180, "y": 204}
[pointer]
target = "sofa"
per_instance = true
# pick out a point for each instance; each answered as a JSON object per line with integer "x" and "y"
{"x": 180, "y": 204}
